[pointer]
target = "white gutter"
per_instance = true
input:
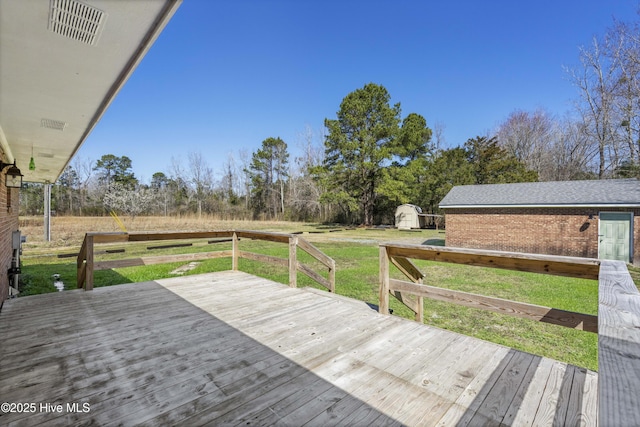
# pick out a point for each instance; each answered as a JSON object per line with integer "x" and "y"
{"x": 4, "y": 145}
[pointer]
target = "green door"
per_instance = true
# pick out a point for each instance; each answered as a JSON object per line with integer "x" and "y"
{"x": 615, "y": 236}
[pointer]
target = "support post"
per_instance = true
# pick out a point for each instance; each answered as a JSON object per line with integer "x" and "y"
{"x": 420, "y": 312}
{"x": 293, "y": 261}
{"x": 332, "y": 277}
{"x": 384, "y": 281}
{"x": 234, "y": 250}
{"x": 47, "y": 212}
{"x": 88, "y": 282}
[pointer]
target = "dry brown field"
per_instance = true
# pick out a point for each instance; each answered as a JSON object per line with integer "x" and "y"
{"x": 69, "y": 231}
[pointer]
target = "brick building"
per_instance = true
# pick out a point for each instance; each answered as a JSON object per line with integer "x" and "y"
{"x": 61, "y": 65}
{"x": 593, "y": 219}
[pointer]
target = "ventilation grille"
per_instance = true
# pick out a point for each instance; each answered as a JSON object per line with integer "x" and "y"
{"x": 53, "y": 124}
{"x": 75, "y": 20}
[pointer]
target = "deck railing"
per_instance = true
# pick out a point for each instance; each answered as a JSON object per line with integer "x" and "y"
{"x": 412, "y": 293}
{"x": 617, "y": 323}
{"x": 86, "y": 263}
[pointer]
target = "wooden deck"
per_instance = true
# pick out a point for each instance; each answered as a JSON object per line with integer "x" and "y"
{"x": 234, "y": 349}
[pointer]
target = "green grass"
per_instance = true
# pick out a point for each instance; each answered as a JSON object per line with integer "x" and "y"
{"x": 357, "y": 277}
{"x": 635, "y": 274}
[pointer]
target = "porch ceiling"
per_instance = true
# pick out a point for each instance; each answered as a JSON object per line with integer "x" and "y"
{"x": 56, "y": 84}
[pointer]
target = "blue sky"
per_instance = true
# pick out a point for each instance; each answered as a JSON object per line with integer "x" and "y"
{"x": 227, "y": 74}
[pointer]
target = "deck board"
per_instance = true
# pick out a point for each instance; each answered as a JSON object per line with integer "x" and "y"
{"x": 234, "y": 349}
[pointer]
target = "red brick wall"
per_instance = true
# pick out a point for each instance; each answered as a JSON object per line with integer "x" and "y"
{"x": 8, "y": 224}
{"x": 553, "y": 231}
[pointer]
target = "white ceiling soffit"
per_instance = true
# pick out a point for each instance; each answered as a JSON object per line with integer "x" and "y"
{"x": 62, "y": 62}
{"x": 76, "y": 20}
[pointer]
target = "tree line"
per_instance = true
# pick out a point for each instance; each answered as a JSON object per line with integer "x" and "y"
{"x": 370, "y": 161}
{"x": 370, "y": 158}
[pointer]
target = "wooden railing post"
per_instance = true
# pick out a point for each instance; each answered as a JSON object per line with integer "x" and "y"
{"x": 332, "y": 277}
{"x": 384, "y": 281}
{"x": 234, "y": 249}
{"x": 88, "y": 281}
{"x": 80, "y": 264}
{"x": 420, "y": 311}
{"x": 293, "y": 261}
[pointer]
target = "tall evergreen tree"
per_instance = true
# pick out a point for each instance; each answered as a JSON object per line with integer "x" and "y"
{"x": 66, "y": 191}
{"x": 268, "y": 172}
{"x": 414, "y": 141}
{"x": 113, "y": 169}
{"x": 359, "y": 145}
{"x": 492, "y": 164}
{"x": 404, "y": 179}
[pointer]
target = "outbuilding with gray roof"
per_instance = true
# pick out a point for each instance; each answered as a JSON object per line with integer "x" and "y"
{"x": 594, "y": 219}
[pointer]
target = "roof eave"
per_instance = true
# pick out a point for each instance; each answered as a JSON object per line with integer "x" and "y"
{"x": 154, "y": 32}
{"x": 583, "y": 205}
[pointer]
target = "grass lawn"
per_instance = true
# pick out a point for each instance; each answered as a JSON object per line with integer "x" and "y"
{"x": 356, "y": 255}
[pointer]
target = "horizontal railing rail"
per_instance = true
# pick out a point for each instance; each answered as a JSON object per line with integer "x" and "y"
{"x": 412, "y": 292}
{"x": 86, "y": 264}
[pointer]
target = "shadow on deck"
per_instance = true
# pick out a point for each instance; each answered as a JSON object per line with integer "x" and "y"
{"x": 230, "y": 348}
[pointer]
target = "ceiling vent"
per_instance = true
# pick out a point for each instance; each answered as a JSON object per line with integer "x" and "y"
{"x": 75, "y": 20}
{"x": 53, "y": 124}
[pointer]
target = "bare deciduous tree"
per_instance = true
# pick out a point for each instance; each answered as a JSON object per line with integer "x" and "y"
{"x": 201, "y": 179}
{"x": 229, "y": 180}
{"x": 598, "y": 81}
{"x": 571, "y": 153}
{"x": 244, "y": 178}
{"x": 529, "y": 137}
{"x": 84, "y": 170}
{"x": 438, "y": 136}
{"x": 624, "y": 50}
{"x": 304, "y": 190}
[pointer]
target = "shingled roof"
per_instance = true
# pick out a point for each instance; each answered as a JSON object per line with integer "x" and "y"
{"x": 598, "y": 193}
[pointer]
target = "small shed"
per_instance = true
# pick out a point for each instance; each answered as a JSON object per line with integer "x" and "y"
{"x": 409, "y": 216}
